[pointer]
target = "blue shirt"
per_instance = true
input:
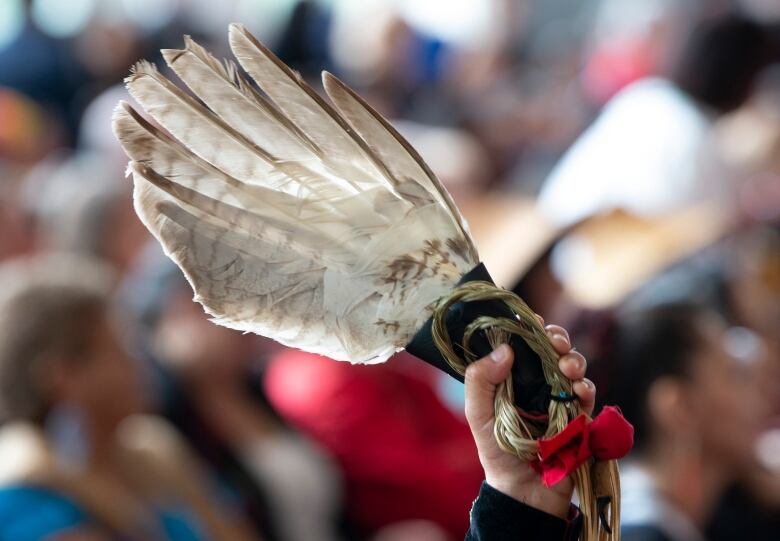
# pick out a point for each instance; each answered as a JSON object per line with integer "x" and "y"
{"x": 33, "y": 514}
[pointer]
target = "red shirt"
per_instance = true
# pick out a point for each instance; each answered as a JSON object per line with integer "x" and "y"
{"x": 403, "y": 453}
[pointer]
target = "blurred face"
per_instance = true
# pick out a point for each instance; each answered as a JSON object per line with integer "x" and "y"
{"x": 726, "y": 398}
{"x": 104, "y": 382}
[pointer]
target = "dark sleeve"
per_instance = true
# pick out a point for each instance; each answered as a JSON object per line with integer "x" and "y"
{"x": 498, "y": 517}
{"x": 642, "y": 533}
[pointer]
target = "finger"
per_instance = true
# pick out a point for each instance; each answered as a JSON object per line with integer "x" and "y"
{"x": 559, "y": 338}
{"x": 586, "y": 392}
{"x": 540, "y": 319}
{"x": 573, "y": 365}
{"x": 481, "y": 379}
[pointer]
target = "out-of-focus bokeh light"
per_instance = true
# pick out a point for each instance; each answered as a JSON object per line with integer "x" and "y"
{"x": 151, "y": 14}
{"x": 11, "y": 21}
{"x": 743, "y": 344}
{"x": 357, "y": 26}
{"x": 62, "y": 19}
{"x": 466, "y": 22}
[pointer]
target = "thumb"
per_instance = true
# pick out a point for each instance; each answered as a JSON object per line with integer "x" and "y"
{"x": 481, "y": 379}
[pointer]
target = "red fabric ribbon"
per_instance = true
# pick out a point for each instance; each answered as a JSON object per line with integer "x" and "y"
{"x": 609, "y": 436}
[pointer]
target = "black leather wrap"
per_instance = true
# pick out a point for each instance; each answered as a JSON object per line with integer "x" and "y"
{"x": 531, "y": 391}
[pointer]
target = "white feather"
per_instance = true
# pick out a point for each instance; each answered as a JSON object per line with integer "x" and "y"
{"x": 322, "y": 231}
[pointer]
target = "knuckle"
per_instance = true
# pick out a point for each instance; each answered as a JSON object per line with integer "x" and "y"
{"x": 588, "y": 387}
{"x": 473, "y": 373}
{"x": 575, "y": 361}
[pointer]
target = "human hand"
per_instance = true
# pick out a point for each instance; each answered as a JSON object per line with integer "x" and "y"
{"x": 505, "y": 472}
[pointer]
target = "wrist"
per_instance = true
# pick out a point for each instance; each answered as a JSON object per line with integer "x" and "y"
{"x": 532, "y": 493}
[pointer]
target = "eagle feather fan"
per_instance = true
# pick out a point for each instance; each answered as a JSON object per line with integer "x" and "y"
{"x": 317, "y": 226}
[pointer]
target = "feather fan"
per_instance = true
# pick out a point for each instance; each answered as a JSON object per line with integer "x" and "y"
{"x": 319, "y": 227}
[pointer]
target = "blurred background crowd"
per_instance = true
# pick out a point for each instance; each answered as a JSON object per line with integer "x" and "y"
{"x": 618, "y": 162}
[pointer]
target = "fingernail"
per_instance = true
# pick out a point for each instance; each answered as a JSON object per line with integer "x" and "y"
{"x": 499, "y": 354}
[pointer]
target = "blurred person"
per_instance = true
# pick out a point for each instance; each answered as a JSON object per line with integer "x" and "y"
{"x": 212, "y": 392}
{"x": 738, "y": 276}
{"x": 697, "y": 409}
{"x": 404, "y": 455}
{"x": 79, "y": 462}
{"x": 733, "y": 277}
{"x": 651, "y": 150}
